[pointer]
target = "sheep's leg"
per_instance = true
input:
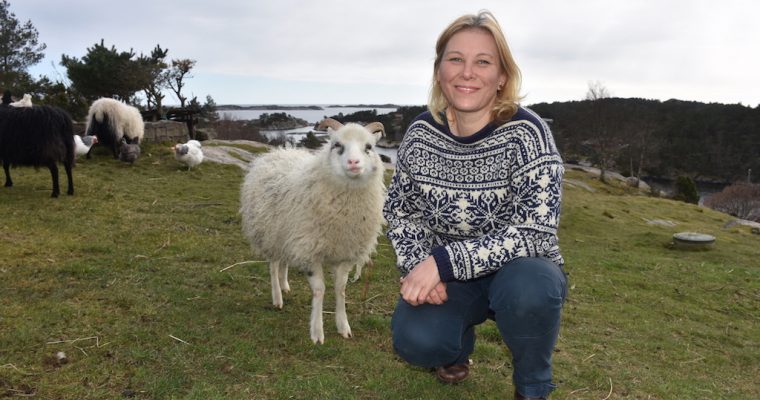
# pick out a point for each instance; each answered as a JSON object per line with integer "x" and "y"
{"x": 341, "y": 319}
{"x": 284, "y": 285}
{"x": 274, "y": 272}
{"x": 357, "y": 273}
{"x": 317, "y": 283}
{"x": 67, "y": 166}
{"x": 54, "y": 174}
{"x": 6, "y": 167}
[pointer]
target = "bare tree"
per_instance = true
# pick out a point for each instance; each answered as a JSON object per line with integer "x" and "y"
{"x": 640, "y": 133}
{"x": 156, "y": 67}
{"x": 596, "y": 91}
{"x": 177, "y": 76}
{"x": 604, "y": 127}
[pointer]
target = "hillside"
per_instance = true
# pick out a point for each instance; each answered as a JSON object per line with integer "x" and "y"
{"x": 144, "y": 281}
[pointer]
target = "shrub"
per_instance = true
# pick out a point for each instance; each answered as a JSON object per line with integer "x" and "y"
{"x": 311, "y": 141}
{"x": 686, "y": 190}
{"x": 742, "y": 200}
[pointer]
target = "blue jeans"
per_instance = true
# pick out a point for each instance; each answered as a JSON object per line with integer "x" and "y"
{"x": 524, "y": 298}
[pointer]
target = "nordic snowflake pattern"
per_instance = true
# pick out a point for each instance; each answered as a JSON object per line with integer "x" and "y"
{"x": 475, "y": 204}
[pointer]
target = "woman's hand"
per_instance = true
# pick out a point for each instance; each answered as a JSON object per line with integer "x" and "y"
{"x": 438, "y": 295}
{"x": 418, "y": 286}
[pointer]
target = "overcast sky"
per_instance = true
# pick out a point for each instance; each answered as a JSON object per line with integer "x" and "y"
{"x": 355, "y": 51}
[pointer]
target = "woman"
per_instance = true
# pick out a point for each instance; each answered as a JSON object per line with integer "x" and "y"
{"x": 473, "y": 210}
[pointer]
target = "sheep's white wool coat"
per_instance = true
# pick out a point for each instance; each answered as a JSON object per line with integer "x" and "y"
{"x": 295, "y": 210}
{"x": 124, "y": 119}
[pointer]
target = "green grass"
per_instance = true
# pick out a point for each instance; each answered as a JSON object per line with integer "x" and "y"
{"x": 126, "y": 278}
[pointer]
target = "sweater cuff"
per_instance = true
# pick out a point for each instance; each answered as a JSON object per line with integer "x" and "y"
{"x": 442, "y": 261}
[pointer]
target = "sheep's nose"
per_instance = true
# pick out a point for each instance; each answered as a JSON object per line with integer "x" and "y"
{"x": 352, "y": 163}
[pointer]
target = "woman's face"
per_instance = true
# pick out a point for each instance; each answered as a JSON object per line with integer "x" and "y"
{"x": 470, "y": 72}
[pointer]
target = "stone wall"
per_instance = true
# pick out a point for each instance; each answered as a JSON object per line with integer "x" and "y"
{"x": 156, "y": 132}
{"x": 165, "y": 131}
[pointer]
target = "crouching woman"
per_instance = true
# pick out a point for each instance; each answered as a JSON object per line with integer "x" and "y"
{"x": 473, "y": 210}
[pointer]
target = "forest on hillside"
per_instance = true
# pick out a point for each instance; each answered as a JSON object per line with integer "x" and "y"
{"x": 650, "y": 138}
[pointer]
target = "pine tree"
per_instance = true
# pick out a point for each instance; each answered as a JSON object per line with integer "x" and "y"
{"x": 19, "y": 49}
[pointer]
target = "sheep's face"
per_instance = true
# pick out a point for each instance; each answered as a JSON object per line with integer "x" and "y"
{"x": 352, "y": 151}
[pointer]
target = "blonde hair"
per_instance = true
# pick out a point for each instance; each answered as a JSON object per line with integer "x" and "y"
{"x": 508, "y": 98}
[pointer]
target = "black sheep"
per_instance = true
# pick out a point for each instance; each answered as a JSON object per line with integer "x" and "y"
{"x": 37, "y": 136}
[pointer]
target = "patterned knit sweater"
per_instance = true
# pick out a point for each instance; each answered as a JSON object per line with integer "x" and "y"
{"x": 476, "y": 202}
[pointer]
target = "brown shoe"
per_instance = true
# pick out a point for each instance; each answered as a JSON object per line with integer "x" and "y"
{"x": 453, "y": 373}
{"x": 518, "y": 396}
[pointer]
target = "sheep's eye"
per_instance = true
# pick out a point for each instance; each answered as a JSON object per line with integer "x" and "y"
{"x": 338, "y": 146}
{"x": 367, "y": 148}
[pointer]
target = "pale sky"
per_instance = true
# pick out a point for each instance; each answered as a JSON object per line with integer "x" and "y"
{"x": 355, "y": 51}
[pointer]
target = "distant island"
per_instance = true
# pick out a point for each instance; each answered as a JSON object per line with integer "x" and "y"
{"x": 223, "y": 107}
{"x": 363, "y": 106}
{"x": 266, "y": 107}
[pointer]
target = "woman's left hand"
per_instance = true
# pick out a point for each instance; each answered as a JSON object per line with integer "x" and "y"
{"x": 418, "y": 284}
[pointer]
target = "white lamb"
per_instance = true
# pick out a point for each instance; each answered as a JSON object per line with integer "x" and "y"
{"x": 315, "y": 209}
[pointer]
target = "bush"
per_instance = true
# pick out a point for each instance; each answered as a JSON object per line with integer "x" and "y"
{"x": 686, "y": 190}
{"x": 742, "y": 200}
{"x": 311, "y": 141}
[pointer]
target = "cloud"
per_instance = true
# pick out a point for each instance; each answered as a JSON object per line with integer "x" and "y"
{"x": 686, "y": 49}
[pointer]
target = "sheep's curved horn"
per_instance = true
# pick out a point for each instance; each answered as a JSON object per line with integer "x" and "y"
{"x": 329, "y": 123}
{"x": 376, "y": 126}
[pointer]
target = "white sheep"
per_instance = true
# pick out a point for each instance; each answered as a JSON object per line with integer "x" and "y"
{"x": 315, "y": 209}
{"x": 111, "y": 120}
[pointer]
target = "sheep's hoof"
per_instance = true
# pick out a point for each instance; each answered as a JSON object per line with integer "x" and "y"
{"x": 277, "y": 306}
{"x": 318, "y": 337}
{"x": 345, "y": 330}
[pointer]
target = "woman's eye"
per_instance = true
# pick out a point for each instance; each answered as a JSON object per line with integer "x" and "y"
{"x": 484, "y": 62}
{"x": 455, "y": 59}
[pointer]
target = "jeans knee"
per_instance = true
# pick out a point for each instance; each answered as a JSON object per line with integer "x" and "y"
{"x": 425, "y": 336}
{"x": 528, "y": 295}
{"x": 424, "y": 348}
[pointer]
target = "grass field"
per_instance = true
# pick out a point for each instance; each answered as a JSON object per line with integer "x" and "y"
{"x": 135, "y": 279}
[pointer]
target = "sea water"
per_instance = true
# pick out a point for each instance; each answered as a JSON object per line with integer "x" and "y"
{"x": 311, "y": 116}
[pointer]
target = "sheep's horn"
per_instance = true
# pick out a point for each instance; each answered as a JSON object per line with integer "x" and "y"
{"x": 329, "y": 123}
{"x": 376, "y": 126}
